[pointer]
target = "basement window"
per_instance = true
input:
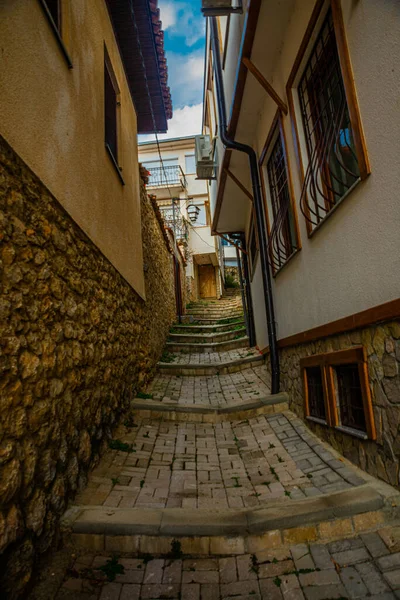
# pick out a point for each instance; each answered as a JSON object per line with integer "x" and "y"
{"x": 336, "y": 391}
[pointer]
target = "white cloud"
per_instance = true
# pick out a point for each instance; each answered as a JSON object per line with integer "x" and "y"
{"x": 185, "y": 78}
{"x": 186, "y": 121}
{"x": 181, "y": 21}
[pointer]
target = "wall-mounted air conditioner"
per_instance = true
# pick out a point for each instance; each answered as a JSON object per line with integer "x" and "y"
{"x": 204, "y": 153}
{"x": 214, "y": 8}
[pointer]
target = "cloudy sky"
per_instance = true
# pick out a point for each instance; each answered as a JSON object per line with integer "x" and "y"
{"x": 184, "y": 28}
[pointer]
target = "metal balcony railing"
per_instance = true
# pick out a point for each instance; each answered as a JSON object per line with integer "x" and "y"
{"x": 168, "y": 176}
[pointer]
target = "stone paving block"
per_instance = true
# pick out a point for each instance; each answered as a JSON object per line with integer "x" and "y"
{"x": 154, "y": 571}
{"x": 353, "y": 583}
{"x": 375, "y": 544}
{"x": 372, "y": 578}
{"x": 159, "y": 590}
{"x": 325, "y": 577}
{"x": 111, "y": 591}
{"x": 325, "y": 592}
{"x": 393, "y": 578}
{"x": 239, "y": 588}
{"x": 200, "y": 577}
{"x": 269, "y": 590}
{"x": 389, "y": 562}
{"x": 209, "y": 591}
{"x": 130, "y": 592}
{"x": 351, "y": 557}
{"x": 190, "y": 591}
{"x": 321, "y": 556}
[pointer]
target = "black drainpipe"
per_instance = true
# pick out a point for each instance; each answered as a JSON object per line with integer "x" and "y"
{"x": 258, "y": 206}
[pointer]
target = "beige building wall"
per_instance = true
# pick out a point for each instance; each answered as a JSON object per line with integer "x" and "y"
{"x": 352, "y": 263}
{"x": 53, "y": 117}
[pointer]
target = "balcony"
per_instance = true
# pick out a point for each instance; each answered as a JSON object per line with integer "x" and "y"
{"x": 170, "y": 176}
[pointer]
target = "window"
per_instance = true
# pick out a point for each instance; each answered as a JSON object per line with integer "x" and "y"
{"x": 336, "y": 391}
{"x": 282, "y": 226}
{"x": 111, "y": 113}
{"x": 225, "y": 242}
{"x": 57, "y": 14}
{"x": 54, "y": 9}
{"x": 322, "y": 98}
{"x": 201, "y": 220}
{"x": 190, "y": 164}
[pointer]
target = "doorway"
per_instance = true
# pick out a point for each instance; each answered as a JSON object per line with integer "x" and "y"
{"x": 207, "y": 282}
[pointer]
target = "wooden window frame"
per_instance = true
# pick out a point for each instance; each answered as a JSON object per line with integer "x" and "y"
{"x": 321, "y": 8}
{"x": 58, "y": 29}
{"x": 114, "y": 159}
{"x": 327, "y": 363}
{"x": 277, "y": 123}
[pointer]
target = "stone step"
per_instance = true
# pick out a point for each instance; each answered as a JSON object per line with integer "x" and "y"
{"x": 213, "y": 532}
{"x": 217, "y": 368}
{"x": 216, "y": 321}
{"x": 209, "y": 338}
{"x": 207, "y": 329}
{"x": 208, "y": 348}
{"x": 215, "y": 313}
{"x": 186, "y": 411}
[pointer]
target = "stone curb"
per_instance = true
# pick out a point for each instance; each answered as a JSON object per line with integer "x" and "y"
{"x": 211, "y": 369}
{"x": 270, "y": 400}
{"x": 205, "y": 348}
{"x": 210, "y": 338}
{"x": 224, "y": 327}
{"x": 197, "y": 522}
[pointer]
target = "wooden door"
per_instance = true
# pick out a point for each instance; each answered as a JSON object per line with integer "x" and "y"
{"x": 207, "y": 283}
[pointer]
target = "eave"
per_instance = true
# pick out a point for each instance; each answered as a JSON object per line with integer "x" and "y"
{"x": 141, "y": 44}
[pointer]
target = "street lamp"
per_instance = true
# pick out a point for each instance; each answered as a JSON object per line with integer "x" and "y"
{"x": 193, "y": 212}
{"x": 218, "y": 8}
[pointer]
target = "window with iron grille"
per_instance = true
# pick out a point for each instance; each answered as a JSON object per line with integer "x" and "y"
{"x": 282, "y": 235}
{"x": 315, "y": 393}
{"x": 332, "y": 162}
{"x": 349, "y": 396}
{"x": 110, "y": 113}
{"x": 54, "y": 9}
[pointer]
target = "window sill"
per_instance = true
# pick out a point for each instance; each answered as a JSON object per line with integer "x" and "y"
{"x": 361, "y": 435}
{"x": 115, "y": 164}
{"x": 333, "y": 210}
{"x": 276, "y": 273}
{"x": 57, "y": 34}
{"x": 316, "y": 420}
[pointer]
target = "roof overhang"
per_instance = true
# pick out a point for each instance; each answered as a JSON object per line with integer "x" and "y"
{"x": 140, "y": 35}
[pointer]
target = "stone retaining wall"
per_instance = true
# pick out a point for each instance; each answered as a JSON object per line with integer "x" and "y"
{"x": 76, "y": 344}
{"x": 382, "y": 342}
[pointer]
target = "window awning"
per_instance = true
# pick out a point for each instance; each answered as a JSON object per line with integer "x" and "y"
{"x": 149, "y": 38}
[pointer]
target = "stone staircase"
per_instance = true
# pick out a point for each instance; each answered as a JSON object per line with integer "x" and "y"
{"x": 211, "y": 471}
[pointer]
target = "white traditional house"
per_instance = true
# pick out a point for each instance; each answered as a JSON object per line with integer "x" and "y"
{"x": 184, "y": 203}
{"x": 312, "y": 88}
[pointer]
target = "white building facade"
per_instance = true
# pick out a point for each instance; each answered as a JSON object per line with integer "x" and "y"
{"x": 174, "y": 183}
{"x": 310, "y": 86}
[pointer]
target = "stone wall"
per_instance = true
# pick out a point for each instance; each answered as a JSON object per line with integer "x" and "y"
{"x": 76, "y": 343}
{"x": 382, "y": 342}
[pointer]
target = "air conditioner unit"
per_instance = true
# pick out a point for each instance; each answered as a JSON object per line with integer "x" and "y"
{"x": 215, "y": 8}
{"x": 204, "y": 153}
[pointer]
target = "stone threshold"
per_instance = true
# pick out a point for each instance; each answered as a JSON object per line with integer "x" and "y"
{"x": 324, "y": 517}
{"x": 206, "y": 348}
{"x": 221, "y": 368}
{"x": 206, "y": 328}
{"x": 223, "y": 336}
{"x": 273, "y": 403}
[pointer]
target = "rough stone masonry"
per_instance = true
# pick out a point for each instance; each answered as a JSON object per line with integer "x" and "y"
{"x": 76, "y": 343}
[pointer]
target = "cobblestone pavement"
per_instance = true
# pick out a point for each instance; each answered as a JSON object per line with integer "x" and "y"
{"x": 367, "y": 566}
{"x": 226, "y": 465}
{"x": 212, "y": 390}
{"x": 211, "y": 358}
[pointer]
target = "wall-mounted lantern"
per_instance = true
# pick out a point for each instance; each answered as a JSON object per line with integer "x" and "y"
{"x": 218, "y": 8}
{"x": 193, "y": 212}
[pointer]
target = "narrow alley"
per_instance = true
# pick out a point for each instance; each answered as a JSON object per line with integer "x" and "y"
{"x": 213, "y": 489}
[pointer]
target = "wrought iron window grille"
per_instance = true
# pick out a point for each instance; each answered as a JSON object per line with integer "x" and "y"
{"x": 282, "y": 235}
{"x": 333, "y": 167}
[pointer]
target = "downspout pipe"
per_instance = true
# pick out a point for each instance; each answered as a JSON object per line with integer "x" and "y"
{"x": 258, "y": 205}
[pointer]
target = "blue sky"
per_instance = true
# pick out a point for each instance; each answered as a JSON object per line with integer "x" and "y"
{"x": 184, "y": 29}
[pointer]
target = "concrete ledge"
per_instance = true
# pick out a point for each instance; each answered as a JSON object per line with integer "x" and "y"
{"x": 211, "y": 369}
{"x": 278, "y": 516}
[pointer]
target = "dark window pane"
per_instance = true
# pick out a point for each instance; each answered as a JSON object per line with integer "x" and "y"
{"x": 110, "y": 112}
{"x": 316, "y": 403}
{"x": 54, "y": 10}
{"x": 350, "y": 397}
{"x": 333, "y": 166}
{"x": 282, "y": 235}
